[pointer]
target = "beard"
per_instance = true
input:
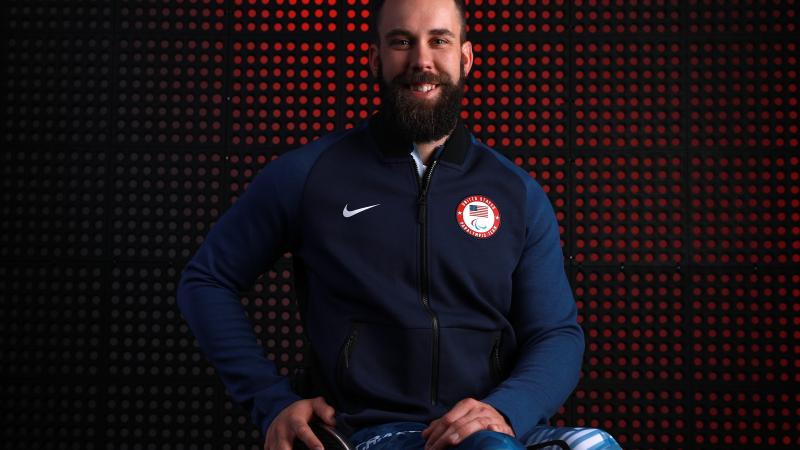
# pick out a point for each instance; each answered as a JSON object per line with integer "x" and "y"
{"x": 421, "y": 120}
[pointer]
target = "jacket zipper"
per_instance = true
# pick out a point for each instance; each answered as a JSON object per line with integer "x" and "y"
{"x": 422, "y": 217}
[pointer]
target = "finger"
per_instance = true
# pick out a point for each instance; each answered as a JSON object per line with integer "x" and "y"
{"x": 461, "y": 409}
{"x": 500, "y": 420}
{"x": 501, "y": 428}
{"x": 270, "y": 442}
{"x": 463, "y": 427}
{"x": 443, "y": 431}
{"x": 440, "y": 425}
{"x": 282, "y": 440}
{"x": 431, "y": 426}
{"x": 458, "y": 432}
{"x": 324, "y": 411}
{"x": 439, "y": 432}
{"x": 436, "y": 430}
{"x": 305, "y": 434}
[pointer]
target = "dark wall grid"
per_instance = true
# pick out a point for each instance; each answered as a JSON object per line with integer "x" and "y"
{"x": 664, "y": 131}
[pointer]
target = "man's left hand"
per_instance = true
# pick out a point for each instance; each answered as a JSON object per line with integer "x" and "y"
{"x": 467, "y": 417}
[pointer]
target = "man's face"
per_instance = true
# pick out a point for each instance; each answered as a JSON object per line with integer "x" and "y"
{"x": 421, "y": 64}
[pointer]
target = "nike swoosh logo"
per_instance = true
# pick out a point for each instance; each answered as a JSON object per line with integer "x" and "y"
{"x": 348, "y": 213}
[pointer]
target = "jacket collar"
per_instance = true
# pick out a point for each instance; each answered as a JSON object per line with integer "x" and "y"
{"x": 391, "y": 144}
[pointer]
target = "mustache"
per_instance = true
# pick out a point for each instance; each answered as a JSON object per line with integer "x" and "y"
{"x": 421, "y": 78}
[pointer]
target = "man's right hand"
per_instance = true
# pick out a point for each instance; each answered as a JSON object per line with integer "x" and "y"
{"x": 292, "y": 423}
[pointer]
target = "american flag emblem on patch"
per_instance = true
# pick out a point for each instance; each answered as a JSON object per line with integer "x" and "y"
{"x": 479, "y": 211}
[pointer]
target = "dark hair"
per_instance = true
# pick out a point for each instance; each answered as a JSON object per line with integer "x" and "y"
{"x": 375, "y": 13}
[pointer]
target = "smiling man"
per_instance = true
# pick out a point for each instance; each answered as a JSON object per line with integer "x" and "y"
{"x": 436, "y": 303}
{"x": 421, "y": 58}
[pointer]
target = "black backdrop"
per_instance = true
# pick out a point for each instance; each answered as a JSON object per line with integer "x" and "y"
{"x": 664, "y": 131}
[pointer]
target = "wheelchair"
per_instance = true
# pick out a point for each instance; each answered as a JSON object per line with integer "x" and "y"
{"x": 330, "y": 438}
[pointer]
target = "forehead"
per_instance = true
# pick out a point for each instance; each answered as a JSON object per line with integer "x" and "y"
{"x": 419, "y": 16}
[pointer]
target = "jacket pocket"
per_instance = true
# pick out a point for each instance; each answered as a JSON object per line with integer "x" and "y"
{"x": 345, "y": 354}
{"x": 384, "y": 365}
{"x": 496, "y": 359}
{"x": 348, "y": 346}
{"x": 471, "y": 363}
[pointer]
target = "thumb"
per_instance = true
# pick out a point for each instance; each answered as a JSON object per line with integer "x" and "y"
{"x": 324, "y": 411}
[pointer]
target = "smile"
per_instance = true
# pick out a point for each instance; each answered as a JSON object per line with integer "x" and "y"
{"x": 422, "y": 87}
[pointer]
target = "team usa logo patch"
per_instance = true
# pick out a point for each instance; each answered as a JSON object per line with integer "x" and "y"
{"x": 478, "y": 216}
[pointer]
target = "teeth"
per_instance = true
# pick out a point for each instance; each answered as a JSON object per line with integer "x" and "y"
{"x": 423, "y": 87}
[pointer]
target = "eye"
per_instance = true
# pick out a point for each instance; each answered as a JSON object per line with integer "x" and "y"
{"x": 400, "y": 43}
{"x": 439, "y": 41}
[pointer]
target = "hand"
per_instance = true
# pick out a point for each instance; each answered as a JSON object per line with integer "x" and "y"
{"x": 292, "y": 423}
{"x": 467, "y": 417}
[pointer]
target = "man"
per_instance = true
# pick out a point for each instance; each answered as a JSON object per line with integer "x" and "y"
{"x": 437, "y": 305}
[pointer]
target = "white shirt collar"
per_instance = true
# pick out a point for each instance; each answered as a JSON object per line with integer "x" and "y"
{"x": 418, "y": 161}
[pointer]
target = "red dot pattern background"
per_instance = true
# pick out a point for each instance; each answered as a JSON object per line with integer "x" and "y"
{"x": 664, "y": 132}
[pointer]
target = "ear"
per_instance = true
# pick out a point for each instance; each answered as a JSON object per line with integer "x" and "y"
{"x": 374, "y": 59}
{"x": 466, "y": 57}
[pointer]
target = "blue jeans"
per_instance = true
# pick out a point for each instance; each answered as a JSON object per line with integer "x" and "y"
{"x": 408, "y": 436}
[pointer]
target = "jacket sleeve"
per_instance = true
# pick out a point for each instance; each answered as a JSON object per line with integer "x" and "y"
{"x": 544, "y": 317}
{"x": 244, "y": 243}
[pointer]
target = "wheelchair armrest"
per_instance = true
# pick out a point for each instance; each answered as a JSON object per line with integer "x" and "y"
{"x": 330, "y": 438}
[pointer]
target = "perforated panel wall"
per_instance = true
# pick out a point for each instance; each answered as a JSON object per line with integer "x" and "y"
{"x": 665, "y": 133}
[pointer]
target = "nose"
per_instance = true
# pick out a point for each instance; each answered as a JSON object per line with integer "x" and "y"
{"x": 421, "y": 59}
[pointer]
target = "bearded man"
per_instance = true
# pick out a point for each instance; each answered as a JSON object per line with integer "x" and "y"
{"x": 436, "y": 302}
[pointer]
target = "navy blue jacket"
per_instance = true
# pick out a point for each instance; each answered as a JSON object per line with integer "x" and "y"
{"x": 407, "y": 311}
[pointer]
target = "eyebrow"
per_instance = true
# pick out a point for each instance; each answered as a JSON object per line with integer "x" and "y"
{"x": 403, "y": 32}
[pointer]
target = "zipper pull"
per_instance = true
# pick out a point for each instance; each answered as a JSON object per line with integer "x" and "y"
{"x": 423, "y": 194}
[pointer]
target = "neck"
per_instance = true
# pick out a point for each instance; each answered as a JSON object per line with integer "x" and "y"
{"x": 426, "y": 149}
